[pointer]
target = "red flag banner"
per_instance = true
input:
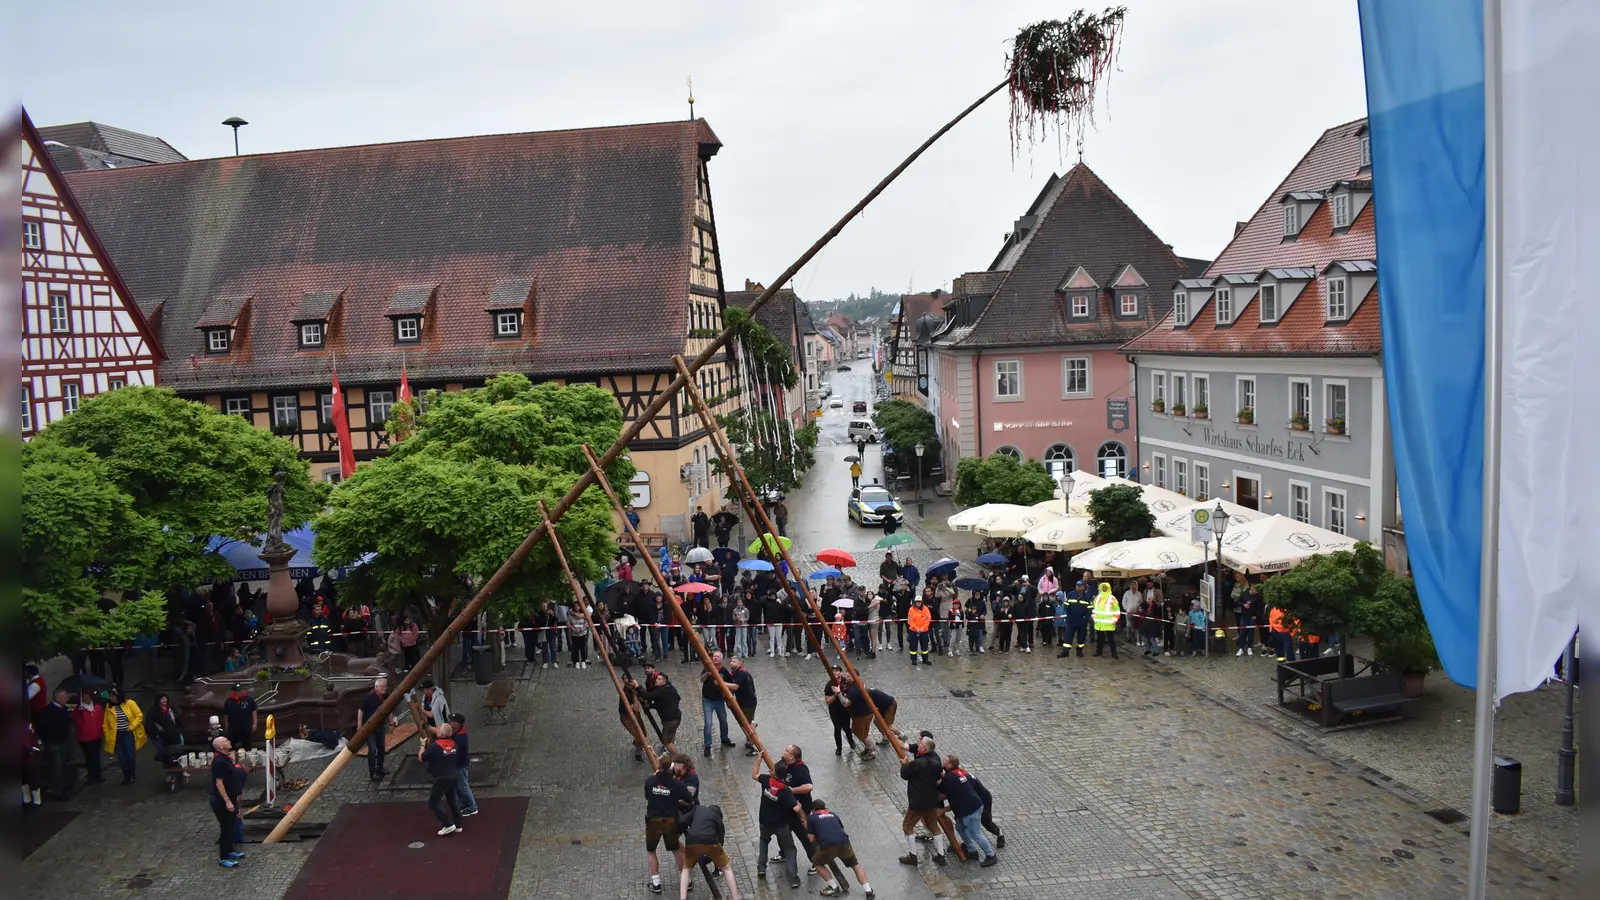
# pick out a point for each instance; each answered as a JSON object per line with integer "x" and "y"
{"x": 341, "y": 428}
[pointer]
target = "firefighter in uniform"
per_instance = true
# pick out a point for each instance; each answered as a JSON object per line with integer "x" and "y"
{"x": 1107, "y": 610}
{"x": 1075, "y": 631}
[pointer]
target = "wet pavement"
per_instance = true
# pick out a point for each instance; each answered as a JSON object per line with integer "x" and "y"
{"x": 1112, "y": 778}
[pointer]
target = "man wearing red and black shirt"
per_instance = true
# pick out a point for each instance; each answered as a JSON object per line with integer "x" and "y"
{"x": 778, "y": 808}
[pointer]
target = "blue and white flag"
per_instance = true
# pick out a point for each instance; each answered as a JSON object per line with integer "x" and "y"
{"x": 1425, "y": 95}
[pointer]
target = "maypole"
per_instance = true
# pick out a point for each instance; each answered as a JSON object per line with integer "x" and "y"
{"x": 1052, "y": 75}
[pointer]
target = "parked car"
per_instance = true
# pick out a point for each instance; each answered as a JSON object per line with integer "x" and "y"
{"x": 866, "y": 503}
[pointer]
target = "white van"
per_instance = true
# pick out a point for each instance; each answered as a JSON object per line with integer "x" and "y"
{"x": 862, "y": 430}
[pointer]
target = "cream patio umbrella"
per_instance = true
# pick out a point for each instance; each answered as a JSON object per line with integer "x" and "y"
{"x": 1175, "y": 523}
{"x": 1278, "y": 543}
{"x": 1013, "y": 522}
{"x": 1062, "y": 534}
{"x": 1162, "y": 501}
{"x": 1083, "y": 484}
{"x": 1146, "y": 556}
{"x": 964, "y": 520}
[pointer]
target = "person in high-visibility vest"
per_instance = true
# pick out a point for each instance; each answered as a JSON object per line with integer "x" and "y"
{"x": 1282, "y": 640}
{"x": 1107, "y": 610}
{"x": 919, "y": 619}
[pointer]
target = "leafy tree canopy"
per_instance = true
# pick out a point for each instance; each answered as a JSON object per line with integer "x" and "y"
{"x": 904, "y": 426}
{"x": 1120, "y": 514}
{"x": 773, "y": 452}
{"x": 770, "y": 357}
{"x": 858, "y": 306}
{"x": 445, "y": 510}
{"x": 1351, "y": 593}
{"x": 1001, "y": 478}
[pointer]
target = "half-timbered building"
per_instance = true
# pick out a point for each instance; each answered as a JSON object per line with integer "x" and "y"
{"x": 82, "y": 333}
{"x": 579, "y": 256}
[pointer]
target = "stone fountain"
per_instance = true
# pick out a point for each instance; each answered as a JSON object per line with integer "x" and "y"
{"x": 320, "y": 692}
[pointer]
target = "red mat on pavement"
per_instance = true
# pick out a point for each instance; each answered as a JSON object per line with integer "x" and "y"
{"x": 366, "y": 853}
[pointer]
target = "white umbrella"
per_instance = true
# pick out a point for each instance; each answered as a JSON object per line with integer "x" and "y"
{"x": 1277, "y": 543}
{"x": 1142, "y": 557}
{"x": 964, "y": 520}
{"x": 1082, "y": 483}
{"x": 1061, "y": 534}
{"x": 698, "y": 555}
{"x": 844, "y": 602}
{"x": 1162, "y": 501}
{"x": 1013, "y": 522}
{"x": 1175, "y": 522}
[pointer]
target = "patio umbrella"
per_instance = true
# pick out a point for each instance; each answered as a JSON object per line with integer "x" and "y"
{"x": 844, "y": 603}
{"x": 822, "y": 574}
{"x": 1061, "y": 507}
{"x": 992, "y": 559}
{"x": 971, "y": 584}
{"x": 83, "y": 681}
{"x": 694, "y": 587}
{"x": 755, "y": 565}
{"x": 1082, "y": 483}
{"x": 1277, "y": 543}
{"x": 1062, "y": 534}
{"x": 964, "y": 520}
{"x": 837, "y": 558}
{"x": 698, "y": 555}
{"x": 1175, "y": 523}
{"x": 1147, "y": 556}
{"x": 944, "y": 567}
{"x": 1162, "y": 501}
{"x": 894, "y": 540}
{"x": 1013, "y": 523}
{"x": 771, "y": 542}
{"x": 726, "y": 556}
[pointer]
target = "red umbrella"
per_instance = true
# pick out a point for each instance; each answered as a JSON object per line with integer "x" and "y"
{"x": 837, "y": 558}
{"x": 694, "y": 587}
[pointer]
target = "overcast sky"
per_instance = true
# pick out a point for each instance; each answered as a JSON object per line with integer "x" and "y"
{"x": 1213, "y": 102}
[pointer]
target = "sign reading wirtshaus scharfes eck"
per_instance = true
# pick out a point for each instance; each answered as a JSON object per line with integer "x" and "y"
{"x": 1249, "y": 443}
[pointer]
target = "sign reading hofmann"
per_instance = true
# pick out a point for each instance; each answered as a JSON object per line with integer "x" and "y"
{"x": 1271, "y": 448}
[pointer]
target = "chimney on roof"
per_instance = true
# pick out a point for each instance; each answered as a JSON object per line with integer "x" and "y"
{"x": 1237, "y": 227}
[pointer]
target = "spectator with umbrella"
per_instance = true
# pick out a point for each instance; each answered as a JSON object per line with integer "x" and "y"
{"x": 975, "y": 611}
{"x": 722, "y": 523}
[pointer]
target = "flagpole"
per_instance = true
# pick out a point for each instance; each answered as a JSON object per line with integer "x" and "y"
{"x": 1489, "y": 564}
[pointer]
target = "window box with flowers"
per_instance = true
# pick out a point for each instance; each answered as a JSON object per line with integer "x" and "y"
{"x": 1200, "y": 412}
{"x": 1299, "y": 423}
{"x": 1159, "y": 406}
{"x": 1247, "y": 416}
{"x": 1177, "y": 409}
{"x": 285, "y": 429}
{"x": 1335, "y": 426}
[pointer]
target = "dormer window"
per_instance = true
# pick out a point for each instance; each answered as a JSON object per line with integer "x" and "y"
{"x": 508, "y": 324}
{"x": 1128, "y": 304}
{"x": 1269, "y": 303}
{"x": 1338, "y": 298}
{"x": 1180, "y": 307}
{"x": 220, "y": 322}
{"x": 311, "y": 336}
{"x": 314, "y": 317}
{"x": 1298, "y": 206}
{"x": 1224, "y": 305}
{"x": 219, "y": 340}
{"x": 1366, "y": 150}
{"x": 407, "y": 330}
{"x": 1080, "y": 306}
{"x": 1291, "y": 220}
{"x": 1341, "y": 210}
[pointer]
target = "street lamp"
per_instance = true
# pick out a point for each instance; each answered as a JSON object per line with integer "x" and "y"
{"x": 1065, "y": 482}
{"x": 920, "y": 510}
{"x": 235, "y": 123}
{"x": 1219, "y": 527}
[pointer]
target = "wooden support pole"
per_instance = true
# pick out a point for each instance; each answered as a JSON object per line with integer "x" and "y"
{"x": 719, "y": 440}
{"x": 602, "y": 643}
{"x": 671, "y": 597}
{"x": 631, "y": 430}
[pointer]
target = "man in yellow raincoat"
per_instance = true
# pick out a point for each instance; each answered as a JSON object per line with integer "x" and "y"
{"x": 1107, "y": 610}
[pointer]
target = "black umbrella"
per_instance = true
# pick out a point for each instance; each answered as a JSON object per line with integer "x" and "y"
{"x": 971, "y": 584}
{"x": 852, "y": 458}
{"x": 727, "y": 556}
{"x": 84, "y": 682}
{"x": 618, "y": 595}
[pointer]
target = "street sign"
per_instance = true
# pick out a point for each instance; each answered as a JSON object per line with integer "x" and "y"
{"x": 1117, "y": 415}
{"x": 1200, "y": 526}
{"x": 1208, "y": 595}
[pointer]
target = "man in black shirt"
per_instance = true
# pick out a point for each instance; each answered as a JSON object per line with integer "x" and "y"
{"x": 778, "y": 808}
{"x": 798, "y": 778}
{"x": 861, "y": 715}
{"x": 661, "y": 696}
{"x": 227, "y": 782}
{"x": 922, "y": 774}
{"x": 662, "y": 794}
{"x": 239, "y": 712}
{"x": 967, "y": 806}
{"x": 744, "y": 693}
{"x": 53, "y": 724}
{"x": 712, "y": 704}
{"x": 439, "y": 755}
{"x": 377, "y": 743}
{"x": 722, "y": 523}
{"x": 832, "y": 843}
{"x": 702, "y": 528}
{"x": 703, "y": 834}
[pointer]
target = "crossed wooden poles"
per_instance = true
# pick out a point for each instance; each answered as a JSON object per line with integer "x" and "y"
{"x": 441, "y": 642}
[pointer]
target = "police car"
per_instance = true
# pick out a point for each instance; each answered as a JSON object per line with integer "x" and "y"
{"x": 866, "y": 501}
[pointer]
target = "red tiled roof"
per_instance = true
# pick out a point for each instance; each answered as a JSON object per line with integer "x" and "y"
{"x": 598, "y": 218}
{"x": 1086, "y": 224}
{"x": 1302, "y": 329}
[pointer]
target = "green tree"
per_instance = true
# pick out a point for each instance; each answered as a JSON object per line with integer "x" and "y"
{"x": 767, "y": 355}
{"x": 904, "y": 426}
{"x": 190, "y": 471}
{"x": 436, "y": 518}
{"x": 969, "y": 481}
{"x": 1002, "y": 478}
{"x": 1120, "y": 514}
{"x": 1351, "y": 593}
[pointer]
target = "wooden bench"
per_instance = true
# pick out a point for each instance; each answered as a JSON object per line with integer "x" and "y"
{"x": 496, "y": 700}
{"x": 1344, "y": 696}
{"x": 1309, "y": 673}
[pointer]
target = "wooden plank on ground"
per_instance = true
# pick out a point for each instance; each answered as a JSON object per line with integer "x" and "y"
{"x": 396, "y": 736}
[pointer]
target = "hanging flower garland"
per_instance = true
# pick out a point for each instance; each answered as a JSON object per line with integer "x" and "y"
{"x": 1055, "y": 67}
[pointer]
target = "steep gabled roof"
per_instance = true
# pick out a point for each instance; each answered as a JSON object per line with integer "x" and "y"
{"x": 1259, "y": 250}
{"x": 781, "y": 316}
{"x": 105, "y": 142}
{"x": 1082, "y": 224}
{"x": 598, "y": 218}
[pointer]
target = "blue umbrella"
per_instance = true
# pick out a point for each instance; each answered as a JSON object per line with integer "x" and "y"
{"x": 943, "y": 567}
{"x": 971, "y": 584}
{"x": 726, "y": 555}
{"x": 821, "y": 574}
{"x": 755, "y": 565}
{"x": 992, "y": 559}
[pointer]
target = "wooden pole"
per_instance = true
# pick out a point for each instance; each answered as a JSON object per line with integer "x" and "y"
{"x": 719, "y": 440}
{"x": 677, "y": 609}
{"x": 602, "y": 644}
{"x": 630, "y": 431}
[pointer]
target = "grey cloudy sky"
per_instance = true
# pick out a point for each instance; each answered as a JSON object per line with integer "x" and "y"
{"x": 1213, "y": 102}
